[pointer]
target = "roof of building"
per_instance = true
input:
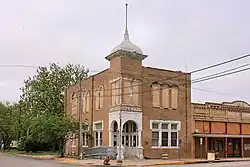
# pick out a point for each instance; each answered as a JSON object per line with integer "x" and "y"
{"x": 224, "y": 105}
{"x": 127, "y": 45}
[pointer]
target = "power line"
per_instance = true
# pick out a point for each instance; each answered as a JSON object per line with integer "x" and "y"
{"x": 168, "y": 78}
{"x": 186, "y": 84}
{"x": 18, "y": 66}
{"x": 165, "y": 78}
{"x": 232, "y": 69}
{"x": 222, "y": 75}
{"x": 195, "y": 71}
{"x": 210, "y": 91}
{"x": 222, "y": 63}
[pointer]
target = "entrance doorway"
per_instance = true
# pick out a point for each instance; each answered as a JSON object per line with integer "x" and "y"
{"x": 130, "y": 134}
{"x": 234, "y": 147}
{"x": 130, "y": 140}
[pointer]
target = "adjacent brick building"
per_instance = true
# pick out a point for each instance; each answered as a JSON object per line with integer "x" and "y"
{"x": 224, "y": 128}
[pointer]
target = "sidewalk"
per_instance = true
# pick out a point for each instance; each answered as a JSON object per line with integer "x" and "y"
{"x": 97, "y": 162}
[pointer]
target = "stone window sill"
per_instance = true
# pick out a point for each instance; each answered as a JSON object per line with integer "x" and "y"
{"x": 165, "y": 147}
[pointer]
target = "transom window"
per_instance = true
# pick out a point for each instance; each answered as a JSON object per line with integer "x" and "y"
{"x": 165, "y": 133}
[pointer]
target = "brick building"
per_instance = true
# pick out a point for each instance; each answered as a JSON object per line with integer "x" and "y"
{"x": 224, "y": 128}
{"x": 153, "y": 106}
{"x": 153, "y": 109}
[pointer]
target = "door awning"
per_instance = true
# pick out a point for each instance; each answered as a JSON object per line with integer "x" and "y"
{"x": 220, "y": 135}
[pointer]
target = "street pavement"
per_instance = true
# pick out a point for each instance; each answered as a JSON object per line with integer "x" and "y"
{"x": 14, "y": 161}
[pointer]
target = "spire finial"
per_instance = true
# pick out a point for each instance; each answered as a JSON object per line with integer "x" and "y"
{"x": 126, "y": 16}
{"x": 126, "y": 36}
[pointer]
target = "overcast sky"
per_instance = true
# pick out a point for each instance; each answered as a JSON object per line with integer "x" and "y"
{"x": 176, "y": 35}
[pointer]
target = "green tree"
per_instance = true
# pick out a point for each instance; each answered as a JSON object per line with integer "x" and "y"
{"x": 8, "y": 124}
{"x": 41, "y": 108}
{"x": 44, "y": 91}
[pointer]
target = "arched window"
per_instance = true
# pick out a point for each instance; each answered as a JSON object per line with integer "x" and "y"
{"x": 174, "y": 97}
{"x": 156, "y": 93}
{"x": 86, "y": 101}
{"x": 136, "y": 84}
{"x": 166, "y": 96}
{"x": 99, "y": 97}
{"x": 73, "y": 99}
{"x": 73, "y": 104}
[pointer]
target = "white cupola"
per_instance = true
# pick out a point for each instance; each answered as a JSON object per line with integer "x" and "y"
{"x": 126, "y": 44}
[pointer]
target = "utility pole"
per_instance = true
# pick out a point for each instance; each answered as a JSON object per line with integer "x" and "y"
{"x": 119, "y": 160}
{"x": 201, "y": 148}
{"x": 19, "y": 123}
{"x": 80, "y": 110}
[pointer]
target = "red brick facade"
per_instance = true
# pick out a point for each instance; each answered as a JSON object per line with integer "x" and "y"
{"x": 170, "y": 102}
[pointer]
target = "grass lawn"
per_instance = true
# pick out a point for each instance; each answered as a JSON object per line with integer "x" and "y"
{"x": 15, "y": 151}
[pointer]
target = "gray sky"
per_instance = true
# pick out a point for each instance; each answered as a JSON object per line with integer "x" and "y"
{"x": 178, "y": 35}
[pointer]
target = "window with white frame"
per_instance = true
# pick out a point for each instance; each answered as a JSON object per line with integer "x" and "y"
{"x": 85, "y": 139}
{"x": 85, "y": 136}
{"x": 164, "y": 133}
{"x": 98, "y": 134}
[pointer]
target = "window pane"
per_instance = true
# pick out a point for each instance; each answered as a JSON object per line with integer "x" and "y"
{"x": 164, "y": 139}
{"x": 155, "y": 135}
{"x": 83, "y": 139}
{"x": 174, "y": 126}
{"x": 164, "y": 126}
{"x": 98, "y": 126}
{"x": 155, "y": 125}
{"x": 126, "y": 127}
{"x": 100, "y": 138}
{"x": 96, "y": 138}
{"x": 155, "y": 138}
{"x": 87, "y": 139}
{"x": 174, "y": 139}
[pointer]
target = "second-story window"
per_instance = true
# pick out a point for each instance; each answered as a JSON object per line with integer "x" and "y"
{"x": 165, "y": 97}
{"x": 99, "y": 100}
{"x": 86, "y": 101}
{"x": 115, "y": 87}
{"x": 174, "y": 97}
{"x": 113, "y": 93}
{"x": 99, "y": 97}
{"x": 131, "y": 91}
{"x": 156, "y": 93}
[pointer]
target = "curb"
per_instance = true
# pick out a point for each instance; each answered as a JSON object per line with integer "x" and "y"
{"x": 194, "y": 162}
